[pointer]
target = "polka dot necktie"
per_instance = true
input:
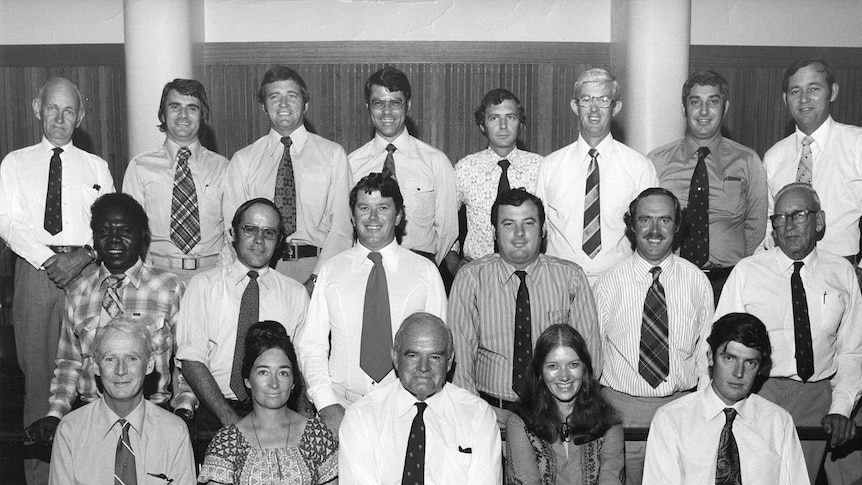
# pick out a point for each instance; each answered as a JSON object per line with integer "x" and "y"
{"x": 249, "y": 311}
{"x": 53, "y": 221}
{"x": 285, "y": 189}
{"x": 389, "y": 163}
{"x": 804, "y": 170}
{"x": 592, "y": 235}
{"x": 654, "y": 362}
{"x": 124, "y": 459}
{"x": 522, "y": 351}
{"x": 727, "y": 470}
{"x": 185, "y": 216}
{"x": 695, "y": 245}
{"x": 414, "y": 459}
{"x": 801, "y": 325}
{"x": 503, "y": 184}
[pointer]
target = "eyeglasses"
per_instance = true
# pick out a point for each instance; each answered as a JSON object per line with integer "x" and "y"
{"x": 249, "y": 230}
{"x": 600, "y": 101}
{"x": 799, "y": 217}
{"x": 394, "y": 104}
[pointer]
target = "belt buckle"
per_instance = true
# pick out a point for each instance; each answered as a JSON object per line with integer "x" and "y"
{"x": 190, "y": 264}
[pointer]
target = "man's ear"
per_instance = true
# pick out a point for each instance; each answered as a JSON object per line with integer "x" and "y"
{"x": 618, "y": 105}
{"x": 820, "y": 221}
{"x": 709, "y": 357}
{"x": 37, "y": 107}
{"x": 151, "y": 364}
{"x": 834, "y": 92}
{"x": 394, "y": 356}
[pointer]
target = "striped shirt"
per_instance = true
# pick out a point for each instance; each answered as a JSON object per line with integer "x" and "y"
{"x": 482, "y": 316}
{"x": 150, "y": 294}
{"x": 620, "y": 295}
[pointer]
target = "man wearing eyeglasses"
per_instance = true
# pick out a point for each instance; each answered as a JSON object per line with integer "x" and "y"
{"x": 424, "y": 173}
{"x": 219, "y": 306}
{"x": 809, "y": 300}
{"x": 722, "y": 183}
{"x": 587, "y": 186}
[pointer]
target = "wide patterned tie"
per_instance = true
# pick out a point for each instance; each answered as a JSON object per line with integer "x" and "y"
{"x": 695, "y": 246}
{"x": 389, "y": 163}
{"x": 53, "y": 221}
{"x": 503, "y": 184}
{"x": 804, "y": 171}
{"x": 124, "y": 460}
{"x": 727, "y": 470}
{"x": 249, "y": 309}
{"x": 592, "y": 236}
{"x": 112, "y": 295}
{"x": 285, "y": 189}
{"x": 185, "y": 216}
{"x": 653, "y": 364}
{"x": 522, "y": 351}
{"x": 376, "y": 341}
{"x": 414, "y": 458}
{"x": 801, "y": 325}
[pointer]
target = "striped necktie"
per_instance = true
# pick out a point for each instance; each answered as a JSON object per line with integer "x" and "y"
{"x": 592, "y": 236}
{"x": 654, "y": 362}
{"x": 124, "y": 459}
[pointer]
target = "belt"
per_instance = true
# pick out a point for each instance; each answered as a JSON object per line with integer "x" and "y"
{"x": 499, "y": 403}
{"x": 298, "y": 251}
{"x": 190, "y": 263}
{"x": 65, "y": 249}
{"x": 717, "y": 273}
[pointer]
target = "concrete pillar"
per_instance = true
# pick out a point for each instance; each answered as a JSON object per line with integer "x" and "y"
{"x": 650, "y": 42}
{"x": 163, "y": 40}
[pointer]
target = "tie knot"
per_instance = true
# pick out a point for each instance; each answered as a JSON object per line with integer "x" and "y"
{"x": 114, "y": 281}
{"x": 391, "y": 148}
{"x": 286, "y": 141}
{"x": 123, "y": 424}
{"x": 504, "y": 164}
{"x": 184, "y": 153}
{"x": 420, "y": 407}
{"x": 797, "y": 266}
{"x": 522, "y": 275}
{"x": 806, "y": 141}
{"x": 253, "y": 274}
{"x": 375, "y": 257}
{"x": 594, "y": 154}
{"x": 730, "y": 414}
{"x": 702, "y": 152}
{"x": 656, "y": 271}
{"x": 57, "y": 151}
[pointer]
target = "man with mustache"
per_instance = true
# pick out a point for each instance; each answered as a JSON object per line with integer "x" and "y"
{"x": 655, "y": 311}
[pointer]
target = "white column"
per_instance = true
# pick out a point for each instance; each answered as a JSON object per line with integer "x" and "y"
{"x": 650, "y": 42}
{"x": 163, "y": 41}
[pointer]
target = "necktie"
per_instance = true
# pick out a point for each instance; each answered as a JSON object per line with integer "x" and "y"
{"x": 389, "y": 163}
{"x": 185, "y": 218}
{"x": 592, "y": 237}
{"x": 727, "y": 470}
{"x": 695, "y": 246}
{"x": 249, "y": 309}
{"x": 285, "y": 189}
{"x": 653, "y": 364}
{"x": 414, "y": 459}
{"x": 124, "y": 459}
{"x": 803, "y": 172}
{"x": 801, "y": 325}
{"x": 522, "y": 351}
{"x": 503, "y": 185}
{"x": 112, "y": 295}
{"x": 53, "y": 221}
{"x": 376, "y": 341}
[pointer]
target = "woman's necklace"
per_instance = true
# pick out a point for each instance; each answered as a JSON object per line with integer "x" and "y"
{"x": 286, "y": 441}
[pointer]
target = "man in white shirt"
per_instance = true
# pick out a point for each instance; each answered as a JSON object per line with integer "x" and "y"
{"x": 723, "y": 431}
{"x": 45, "y": 220}
{"x": 810, "y": 301}
{"x": 420, "y": 424}
{"x": 363, "y": 295}
{"x": 588, "y": 184}
{"x": 424, "y": 173}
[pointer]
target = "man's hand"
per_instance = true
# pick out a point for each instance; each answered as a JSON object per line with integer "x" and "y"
{"x": 454, "y": 262}
{"x": 188, "y": 417}
{"x": 502, "y": 417}
{"x": 840, "y": 429}
{"x": 42, "y": 431}
{"x": 332, "y": 416}
{"x": 309, "y": 284}
{"x": 62, "y": 268}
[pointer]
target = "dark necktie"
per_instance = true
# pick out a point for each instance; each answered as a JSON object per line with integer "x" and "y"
{"x": 124, "y": 459}
{"x": 804, "y": 170}
{"x": 185, "y": 217}
{"x": 374, "y": 356}
{"x": 285, "y": 189}
{"x": 53, "y": 221}
{"x": 249, "y": 309}
{"x": 414, "y": 459}
{"x": 727, "y": 470}
{"x": 695, "y": 246}
{"x": 592, "y": 236}
{"x": 389, "y": 163}
{"x": 112, "y": 295}
{"x": 503, "y": 184}
{"x": 522, "y": 351}
{"x": 653, "y": 364}
{"x": 801, "y": 325}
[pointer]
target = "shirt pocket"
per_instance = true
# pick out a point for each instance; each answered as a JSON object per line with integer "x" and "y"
{"x": 89, "y": 194}
{"x": 833, "y": 304}
{"x": 419, "y": 202}
{"x": 730, "y": 202}
{"x": 456, "y": 466}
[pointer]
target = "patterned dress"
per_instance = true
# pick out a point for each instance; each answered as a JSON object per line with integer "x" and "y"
{"x": 231, "y": 459}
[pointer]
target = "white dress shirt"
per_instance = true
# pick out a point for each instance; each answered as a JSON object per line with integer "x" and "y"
{"x": 682, "y": 447}
{"x": 760, "y": 285}
{"x": 623, "y": 174}
{"x": 462, "y": 440}
{"x": 332, "y": 372}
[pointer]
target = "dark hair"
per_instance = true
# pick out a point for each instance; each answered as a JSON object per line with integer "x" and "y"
{"x": 281, "y": 73}
{"x": 706, "y": 78}
{"x": 185, "y": 87}
{"x": 390, "y": 78}
{"x": 493, "y": 98}
{"x": 266, "y": 335}
{"x": 809, "y": 61}
{"x": 592, "y": 414}
{"x": 629, "y": 216}
{"x": 240, "y": 211}
{"x": 745, "y": 329}
{"x": 516, "y": 197}
{"x": 129, "y": 206}
{"x": 375, "y": 181}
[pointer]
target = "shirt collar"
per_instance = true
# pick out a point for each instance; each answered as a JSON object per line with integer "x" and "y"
{"x": 173, "y": 149}
{"x": 297, "y": 138}
{"x": 238, "y": 272}
{"x": 132, "y": 275}
{"x": 820, "y": 135}
{"x": 405, "y": 402}
{"x": 643, "y": 267}
{"x": 714, "y": 407}
{"x": 690, "y": 146}
{"x": 491, "y": 157}
{"x": 506, "y": 272}
{"x": 786, "y": 264}
{"x": 401, "y": 142}
{"x": 605, "y": 148}
{"x": 49, "y": 148}
{"x": 107, "y": 418}
{"x": 389, "y": 255}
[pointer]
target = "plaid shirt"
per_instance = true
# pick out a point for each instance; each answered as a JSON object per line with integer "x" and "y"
{"x": 147, "y": 293}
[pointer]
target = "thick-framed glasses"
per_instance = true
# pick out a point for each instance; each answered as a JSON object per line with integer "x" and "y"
{"x": 798, "y": 217}
{"x": 249, "y": 230}
{"x": 600, "y": 101}
{"x": 393, "y": 104}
